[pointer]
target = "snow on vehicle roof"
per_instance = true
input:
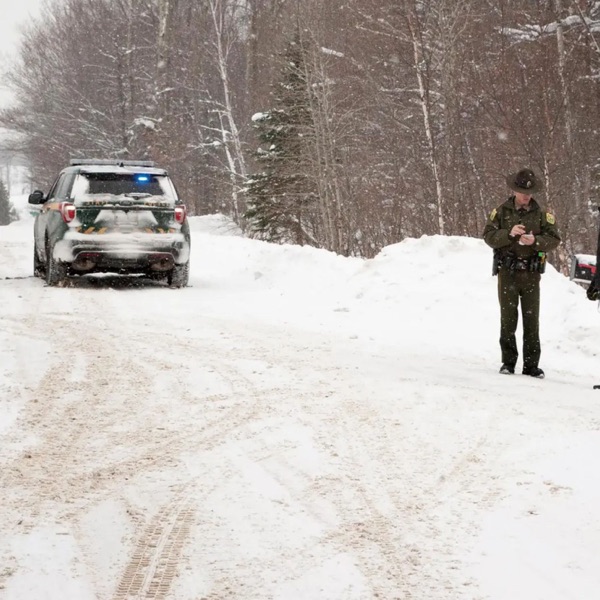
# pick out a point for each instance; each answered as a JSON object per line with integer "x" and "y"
{"x": 125, "y": 170}
{"x": 114, "y": 165}
{"x": 589, "y": 259}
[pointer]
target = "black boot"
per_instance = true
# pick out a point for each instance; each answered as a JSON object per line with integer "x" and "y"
{"x": 533, "y": 372}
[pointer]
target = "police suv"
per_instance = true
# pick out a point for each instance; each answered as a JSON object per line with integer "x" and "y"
{"x": 113, "y": 216}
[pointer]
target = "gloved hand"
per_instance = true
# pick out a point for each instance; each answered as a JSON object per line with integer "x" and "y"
{"x": 593, "y": 293}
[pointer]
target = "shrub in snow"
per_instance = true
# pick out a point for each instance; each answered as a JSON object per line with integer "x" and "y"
{"x": 7, "y": 211}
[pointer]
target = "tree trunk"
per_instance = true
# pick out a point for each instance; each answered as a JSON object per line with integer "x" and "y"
{"x": 230, "y": 134}
{"x": 419, "y": 62}
{"x": 166, "y": 9}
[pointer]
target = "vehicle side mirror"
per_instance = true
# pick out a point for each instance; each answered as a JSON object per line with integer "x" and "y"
{"x": 36, "y": 197}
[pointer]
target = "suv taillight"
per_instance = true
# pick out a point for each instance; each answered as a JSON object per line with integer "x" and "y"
{"x": 180, "y": 213}
{"x": 67, "y": 211}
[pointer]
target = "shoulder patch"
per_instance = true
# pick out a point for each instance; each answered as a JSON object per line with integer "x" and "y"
{"x": 493, "y": 214}
{"x": 550, "y": 218}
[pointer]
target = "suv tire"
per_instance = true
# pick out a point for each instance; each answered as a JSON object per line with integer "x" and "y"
{"x": 179, "y": 276}
{"x": 39, "y": 270}
{"x": 56, "y": 272}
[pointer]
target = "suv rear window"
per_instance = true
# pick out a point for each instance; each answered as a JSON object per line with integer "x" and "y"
{"x": 136, "y": 185}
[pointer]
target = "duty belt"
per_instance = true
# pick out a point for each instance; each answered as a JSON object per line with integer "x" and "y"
{"x": 512, "y": 263}
{"x": 516, "y": 263}
{"x": 520, "y": 264}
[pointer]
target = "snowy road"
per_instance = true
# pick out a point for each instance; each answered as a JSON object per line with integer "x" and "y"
{"x": 244, "y": 438}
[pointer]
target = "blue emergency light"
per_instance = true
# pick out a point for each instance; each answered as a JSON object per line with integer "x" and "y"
{"x": 142, "y": 178}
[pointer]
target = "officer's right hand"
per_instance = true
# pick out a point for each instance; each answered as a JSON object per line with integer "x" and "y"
{"x": 517, "y": 230}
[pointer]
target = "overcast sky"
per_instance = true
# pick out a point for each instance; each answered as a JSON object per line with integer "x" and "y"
{"x": 13, "y": 15}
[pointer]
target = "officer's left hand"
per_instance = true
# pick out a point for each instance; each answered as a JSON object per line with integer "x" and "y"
{"x": 527, "y": 239}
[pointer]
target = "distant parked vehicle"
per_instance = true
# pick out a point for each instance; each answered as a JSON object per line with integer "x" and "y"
{"x": 583, "y": 268}
{"x": 120, "y": 216}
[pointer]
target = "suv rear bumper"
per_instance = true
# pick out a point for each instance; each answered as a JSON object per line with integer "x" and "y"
{"x": 135, "y": 252}
{"x": 88, "y": 261}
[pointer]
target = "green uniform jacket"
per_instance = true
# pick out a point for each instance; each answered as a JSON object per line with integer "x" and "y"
{"x": 505, "y": 217}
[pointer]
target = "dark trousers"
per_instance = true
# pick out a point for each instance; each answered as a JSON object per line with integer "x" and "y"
{"x": 513, "y": 287}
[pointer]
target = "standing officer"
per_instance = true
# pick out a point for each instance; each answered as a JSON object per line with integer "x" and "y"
{"x": 520, "y": 234}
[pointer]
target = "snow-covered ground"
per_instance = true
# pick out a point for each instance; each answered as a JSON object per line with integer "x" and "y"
{"x": 294, "y": 425}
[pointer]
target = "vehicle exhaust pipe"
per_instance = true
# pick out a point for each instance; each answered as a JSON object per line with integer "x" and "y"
{"x": 85, "y": 261}
{"x": 161, "y": 262}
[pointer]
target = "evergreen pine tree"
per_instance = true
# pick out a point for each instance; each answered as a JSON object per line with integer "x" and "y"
{"x": 280, "y": 194}
{"x": 6, "y": 210}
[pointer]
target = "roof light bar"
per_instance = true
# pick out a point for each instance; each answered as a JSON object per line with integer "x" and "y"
{"x": 120, "y": 163}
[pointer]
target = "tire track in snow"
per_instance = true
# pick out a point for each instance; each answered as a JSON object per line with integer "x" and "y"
{"x": 155, "y": 560}
{"x": 58, "y": 414}
{"x": 393, "y": 511}
{"x": 62, "y": 467}
{"x": 91, "y": 418}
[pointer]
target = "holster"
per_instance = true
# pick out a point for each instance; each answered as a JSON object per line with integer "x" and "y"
{"x": 496, "y": 262}
{"x": 539, "y": 262}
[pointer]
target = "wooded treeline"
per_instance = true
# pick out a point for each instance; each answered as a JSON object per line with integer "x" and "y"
{"x": 344, "y": 124}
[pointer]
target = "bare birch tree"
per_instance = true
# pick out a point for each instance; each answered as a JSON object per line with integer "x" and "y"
{"x": 228, "y": 22}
